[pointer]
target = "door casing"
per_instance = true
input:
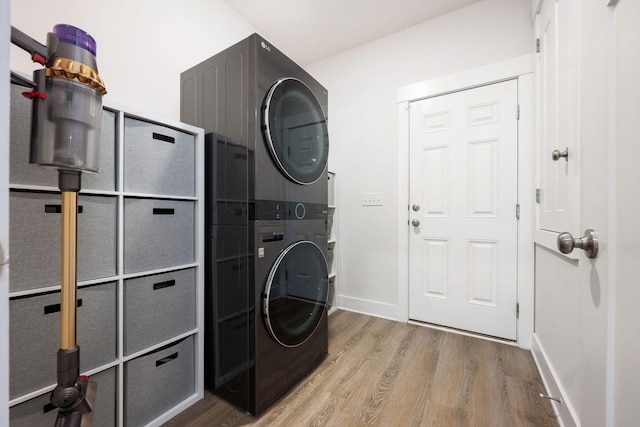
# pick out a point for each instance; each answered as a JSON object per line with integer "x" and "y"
{"x": 520, "y": 68}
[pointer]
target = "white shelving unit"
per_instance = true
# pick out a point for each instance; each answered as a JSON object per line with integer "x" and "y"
{"x": 332, "y": 243}
{"x": 140, "y": 271}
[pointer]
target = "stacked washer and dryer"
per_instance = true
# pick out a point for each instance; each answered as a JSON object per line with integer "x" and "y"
{"x": 266, "y": 201}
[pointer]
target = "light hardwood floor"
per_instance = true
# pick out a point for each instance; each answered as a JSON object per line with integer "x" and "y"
{"x": 385, "y": 373}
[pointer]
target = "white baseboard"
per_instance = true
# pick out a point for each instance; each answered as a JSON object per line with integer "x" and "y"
{"x": 567, "y": 416}
{"x": 371, "y": 308}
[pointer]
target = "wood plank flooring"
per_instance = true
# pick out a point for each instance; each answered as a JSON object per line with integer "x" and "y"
{"x": 384, "y": 373}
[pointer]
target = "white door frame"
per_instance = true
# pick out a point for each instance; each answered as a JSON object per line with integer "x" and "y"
{"x": 520, "y": 68}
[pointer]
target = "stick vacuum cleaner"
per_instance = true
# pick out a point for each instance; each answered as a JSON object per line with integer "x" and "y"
{"x": 65, "y": 135}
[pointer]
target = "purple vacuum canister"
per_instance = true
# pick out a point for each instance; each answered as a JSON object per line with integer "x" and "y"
{"x": 66, "y": 125}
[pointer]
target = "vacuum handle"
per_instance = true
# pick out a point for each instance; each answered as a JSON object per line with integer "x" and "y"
{"x": 37, "y": 50}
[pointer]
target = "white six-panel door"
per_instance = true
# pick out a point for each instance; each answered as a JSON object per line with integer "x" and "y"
{"x": 463, "y": 196}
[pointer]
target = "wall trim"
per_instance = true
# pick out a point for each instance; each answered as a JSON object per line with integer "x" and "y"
{"x": 526, "y": 224}
{"x": 468, "y": 79}
{"x": 368, "y": 307}
{"x": 564, "y": 411}
{"x": 520, "y": 68}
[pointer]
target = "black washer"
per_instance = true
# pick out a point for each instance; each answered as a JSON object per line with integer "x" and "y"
{"x": 295, "y": 294}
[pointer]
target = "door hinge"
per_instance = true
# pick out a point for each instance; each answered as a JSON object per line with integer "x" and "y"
{"x": 518, "y": 211}
{"x": 537, "y": 45}
{"x": 518, "y": 112}
{"x": 538, "y": 197}
{"x": 517, "y": 310}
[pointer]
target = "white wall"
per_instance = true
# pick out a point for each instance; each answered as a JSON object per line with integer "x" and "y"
{"x": 142, "y": 45}
{"x": 363, "y": 129}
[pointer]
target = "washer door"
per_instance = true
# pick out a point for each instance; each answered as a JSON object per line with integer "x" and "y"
{"x": 295, "y": 130}
{"x": 295, "y": 294}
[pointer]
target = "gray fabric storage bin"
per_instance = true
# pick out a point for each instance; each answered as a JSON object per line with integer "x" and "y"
{"x": 158, "y": 159}
{"x": 39, "y": 411}
{"x": 34, "y": 226}
{"x": 158, "y": 307}
{"x": 22, "y": 172}
{"x": 158, "y": 234}
{"x": 34, "y": 336}
{"x": 158, "y": 381}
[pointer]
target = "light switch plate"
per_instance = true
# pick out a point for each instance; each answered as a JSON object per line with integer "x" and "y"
{"x": 371, "y": 199}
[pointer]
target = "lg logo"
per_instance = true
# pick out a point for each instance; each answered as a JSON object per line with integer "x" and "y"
{"x": 265, "y": 46}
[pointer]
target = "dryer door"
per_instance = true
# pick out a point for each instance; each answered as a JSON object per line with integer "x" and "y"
{"x": 295, "y": 294}
{"x": 295, "y": 130}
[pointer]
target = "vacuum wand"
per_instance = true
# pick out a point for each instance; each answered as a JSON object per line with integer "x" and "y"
{"x": 74, "y": 394}
{"x": 65, "y": 134}
{"x": 68, "y": 269}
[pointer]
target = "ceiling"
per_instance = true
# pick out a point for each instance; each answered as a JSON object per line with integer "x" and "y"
{"x": 310, "y": 30}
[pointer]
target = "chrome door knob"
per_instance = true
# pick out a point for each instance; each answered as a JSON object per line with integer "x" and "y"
{"x": 588, "y": 243}
{"x": 415, "y": 222}
{"x": 415, "y": 207}
{"x": 557, "y": 155}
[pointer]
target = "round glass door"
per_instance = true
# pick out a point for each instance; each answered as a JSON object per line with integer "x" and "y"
{"x": 295, "y": 130}
{"x": 295, "y": 294}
